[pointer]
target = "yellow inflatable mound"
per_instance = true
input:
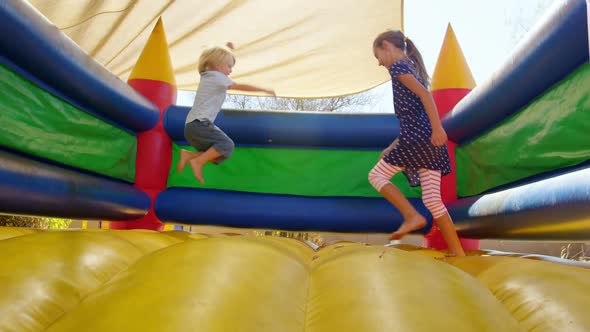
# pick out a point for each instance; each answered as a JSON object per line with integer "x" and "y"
{"x": 175, "y": 281}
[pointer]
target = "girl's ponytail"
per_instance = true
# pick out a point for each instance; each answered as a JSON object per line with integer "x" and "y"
{"x": 414, "y": 55}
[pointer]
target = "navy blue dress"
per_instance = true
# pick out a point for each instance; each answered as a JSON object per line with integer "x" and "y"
{"x": 414, "y": 149}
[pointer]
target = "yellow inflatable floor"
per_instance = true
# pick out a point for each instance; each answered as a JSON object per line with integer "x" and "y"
{"x": 176, "y": 281}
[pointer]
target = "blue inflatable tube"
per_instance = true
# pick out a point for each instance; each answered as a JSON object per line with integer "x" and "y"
{"x": 555, "y": 48}
{"x": 286, "y": 212}
{"x": 29, "y": 187}
{"x": 30, "y": 44}
{"x": 557, "y": 208}
{"x": 301, "y": 129}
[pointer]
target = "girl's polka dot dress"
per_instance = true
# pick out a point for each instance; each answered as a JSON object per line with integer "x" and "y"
{"x": 414, "y": 149}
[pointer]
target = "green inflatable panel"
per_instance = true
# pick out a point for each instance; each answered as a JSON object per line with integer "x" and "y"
{"x": 38, "y": 123}
{"x": 305, "y": 172}
{"x": 550, "y": 133}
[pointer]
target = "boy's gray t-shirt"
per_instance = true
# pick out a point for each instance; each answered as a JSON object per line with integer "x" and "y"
{"x": 210, "y": 96}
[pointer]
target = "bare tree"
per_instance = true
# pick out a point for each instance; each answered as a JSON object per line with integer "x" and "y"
{"x": 240, "y": 101}
{"x": 523, "y": 20}
{"x": 344, "y": 103}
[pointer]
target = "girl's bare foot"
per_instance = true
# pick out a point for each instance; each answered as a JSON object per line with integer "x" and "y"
{"x": 185, "y": 156}
{"x": 197, "y": 169}
{"x": 411, "y": 224}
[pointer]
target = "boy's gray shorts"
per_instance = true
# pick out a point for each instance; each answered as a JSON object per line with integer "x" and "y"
{"x": 202, "y": 135}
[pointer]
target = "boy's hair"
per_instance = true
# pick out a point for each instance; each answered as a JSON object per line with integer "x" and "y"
{"x": 402, "y": 42}
{"x": 214, "y": 56}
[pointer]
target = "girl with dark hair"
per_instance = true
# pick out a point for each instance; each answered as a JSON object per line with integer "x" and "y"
{"x": 420, "y": 151}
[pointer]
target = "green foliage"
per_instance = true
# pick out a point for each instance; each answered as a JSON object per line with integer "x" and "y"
{"x": 34, "y": 222}
{"x": 312, "y": 237}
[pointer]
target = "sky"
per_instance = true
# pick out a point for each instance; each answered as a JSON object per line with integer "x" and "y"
{"x": 487, "y": 31}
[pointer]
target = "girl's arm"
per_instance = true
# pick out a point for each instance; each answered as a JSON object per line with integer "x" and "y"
{"x": 246, "y": 87}
{"x": 391, "y": 146}
{"x": 439, "y": 136}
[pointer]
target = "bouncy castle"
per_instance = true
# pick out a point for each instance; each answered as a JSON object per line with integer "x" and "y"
{"x": 90, "y": 129}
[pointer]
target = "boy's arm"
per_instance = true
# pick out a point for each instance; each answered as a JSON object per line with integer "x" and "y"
{"x": 247, "y": 87}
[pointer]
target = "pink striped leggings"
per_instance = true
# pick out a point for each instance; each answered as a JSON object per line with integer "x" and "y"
{"x": 382, "y": 173}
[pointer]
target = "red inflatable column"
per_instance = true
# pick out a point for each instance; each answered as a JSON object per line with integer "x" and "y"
{"x": 451, "y": 81}
{"x": 153, "y": 77}
{"x": 588, "y": 20}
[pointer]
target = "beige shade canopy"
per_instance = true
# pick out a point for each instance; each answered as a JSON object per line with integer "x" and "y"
{"x": 300, "y": 48}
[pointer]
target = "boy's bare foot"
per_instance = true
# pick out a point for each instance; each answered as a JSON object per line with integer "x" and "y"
{"x": 411, "y": 224}
{"x": 185, "y": 156}
{"x": 182, "y": 160}
{"x": 197, "y": 169}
